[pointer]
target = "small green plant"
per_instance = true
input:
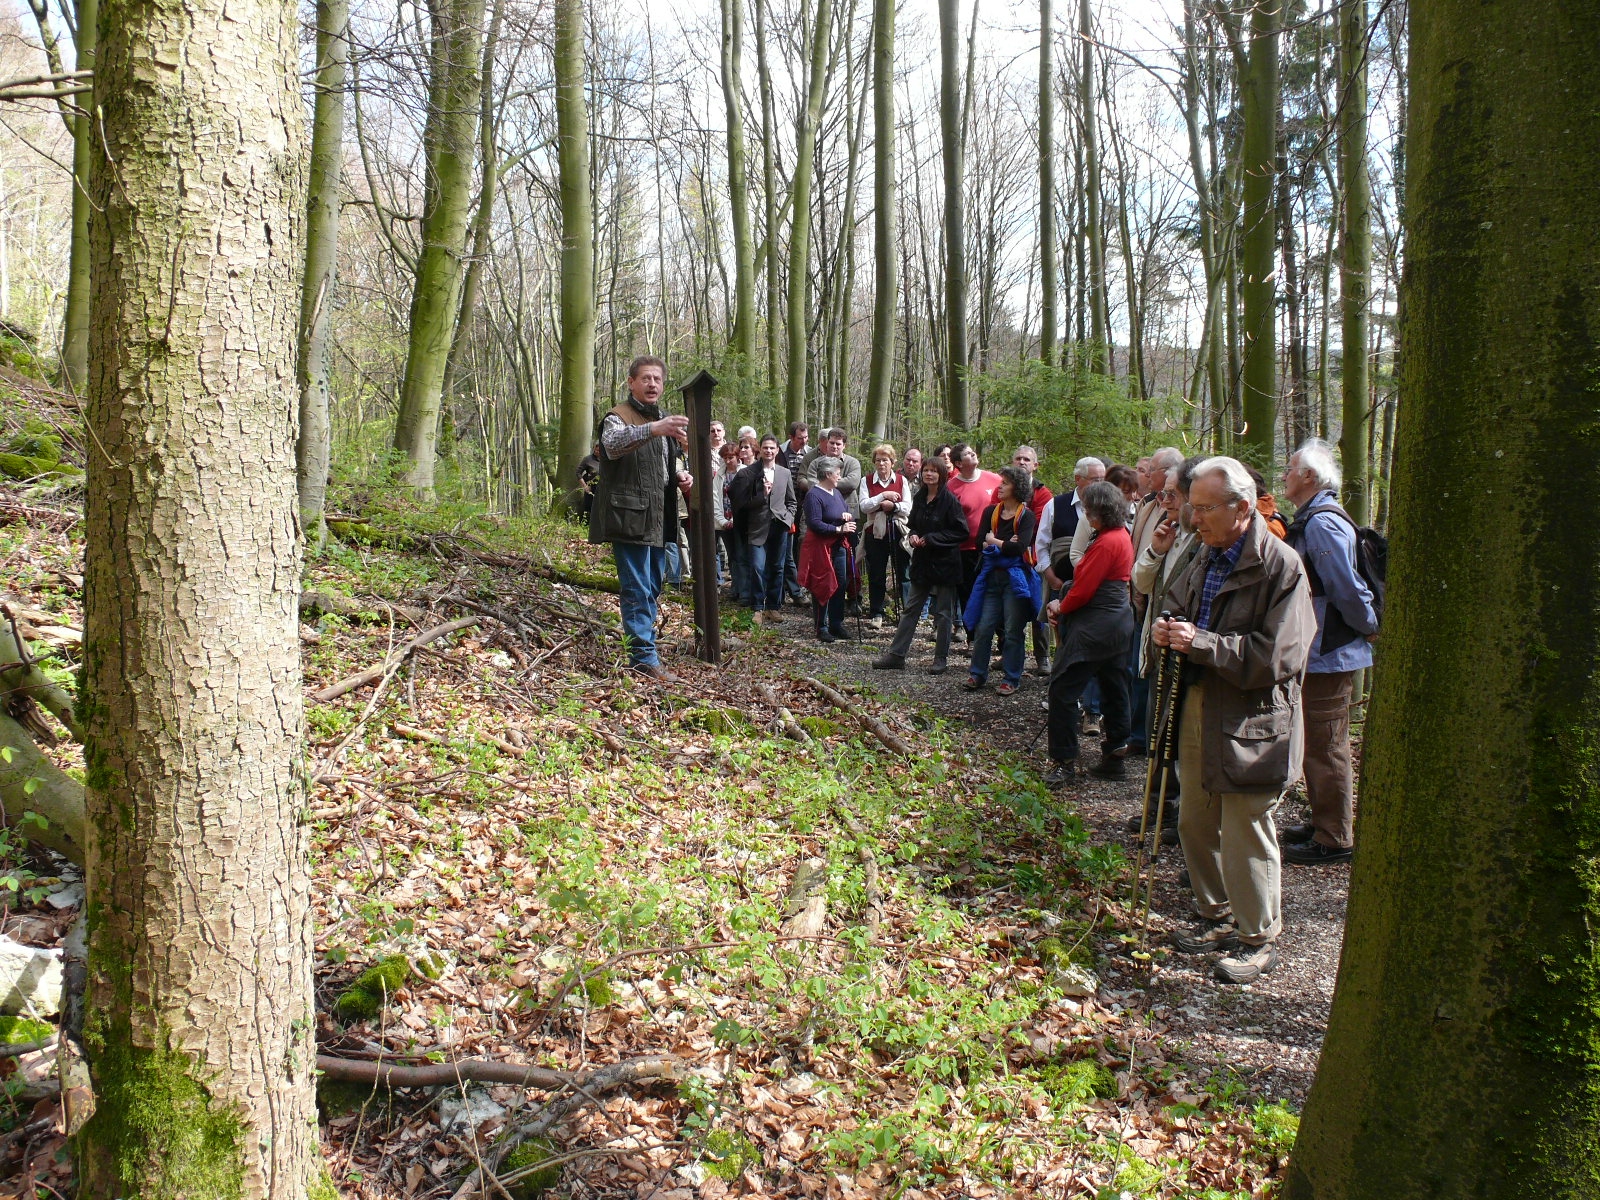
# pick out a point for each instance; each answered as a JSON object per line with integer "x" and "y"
{"x": 728, "y": 1154}
{"x": 1078, "y": 1082}
{"x": 1276, "y": 1126}
{"x": 1134, "y": 1175}
{"x": 524, "y": 1172}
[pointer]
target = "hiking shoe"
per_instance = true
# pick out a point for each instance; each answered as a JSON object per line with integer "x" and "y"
{"x": 1041, "y": 667}
{"x": 1169, "y": 834}
{"x": 972, "y": 683}
{"x": 1311, "y": 853}
{"x": 875, "y": 623}
{"x": 1246, "y": 963}
{"x": 1109, "y": 767}
{"x": 1006, "y": 689}
{"x": 842, "y": 634}
{"x": 1091, "y": 725}
{"x": 654, "y": 671}
{"x": 1214, "y": 933}
{"x": 888, "y": 662}
{"x": 1296, "y": 833}
{"x": 1062, "y": 774}
{"x": 938, "y": 667}
{"x": 826, "y": 638}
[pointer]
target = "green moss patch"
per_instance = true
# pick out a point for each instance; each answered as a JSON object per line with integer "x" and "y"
{"x": 528, "y": 1156}
{"x": 729, "y": 1155}
{"x": 16, "y": 1031}
{"x": 369, "y": 995}
{"x": 1078, "y": 1082}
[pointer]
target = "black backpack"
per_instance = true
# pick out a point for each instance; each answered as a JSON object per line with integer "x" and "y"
{"x": 1372, "y": 554}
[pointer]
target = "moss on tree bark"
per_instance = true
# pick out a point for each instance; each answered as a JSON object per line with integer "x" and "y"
{"x": 1463, "y": 1052}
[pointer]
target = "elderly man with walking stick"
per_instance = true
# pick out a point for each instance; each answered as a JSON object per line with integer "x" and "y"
{"x": 1245, "y": 642}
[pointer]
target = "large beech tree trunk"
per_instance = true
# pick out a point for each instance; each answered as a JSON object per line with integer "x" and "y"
{"x": 1258, "y": 248}
{"x": 1355, "y": 256}
{"x": 1463, "y": 1051}
{"x": 199, "y": 1030}
{"x": 955, "y": 230}
{"x": 797, "y": 311}
{"x": 885, "y": 223}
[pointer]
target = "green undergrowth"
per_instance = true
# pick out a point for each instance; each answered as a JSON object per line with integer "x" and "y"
{"x": 649, "y": 884}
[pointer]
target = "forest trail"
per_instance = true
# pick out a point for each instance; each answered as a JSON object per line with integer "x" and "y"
{"x": 1269, "y": 1032}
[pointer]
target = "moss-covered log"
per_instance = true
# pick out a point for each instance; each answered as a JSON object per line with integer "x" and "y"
{"x": 1463, "y": 1051}
{"x": 31, "y": 783}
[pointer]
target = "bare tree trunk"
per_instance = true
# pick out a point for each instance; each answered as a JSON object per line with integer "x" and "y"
{"x": 1049, "y": 272}
{"x": 75, "y": 321}
{"x": 326, "y": 183}
{"x": 743, "y": 340}
{"x": 885, "y": 222}
{"x": 1259, "y": 89}
{"x": 450, "y": 144}
{"x": 482, "y": 223}
{"x": 1094, "y": 229}
{"x": 577, "y": 249}
{"x": 800, "y": 224}
{"x": 200, "y": 1033}
{"x": 769, "y": 189}
{"x": 1355, "y": 257}
{"x": 955, "y": 235}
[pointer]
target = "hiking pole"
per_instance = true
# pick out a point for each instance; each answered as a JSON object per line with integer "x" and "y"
{"x": 1167, "y": 749}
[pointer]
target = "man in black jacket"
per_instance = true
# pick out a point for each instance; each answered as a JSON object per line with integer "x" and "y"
{"x": 764, "y": 503}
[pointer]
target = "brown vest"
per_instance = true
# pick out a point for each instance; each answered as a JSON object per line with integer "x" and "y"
{"x": 630, "y": 499}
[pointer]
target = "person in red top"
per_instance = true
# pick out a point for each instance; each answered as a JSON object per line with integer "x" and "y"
{"x": 975, "y": 489}
{"x": 1094, "y": 625}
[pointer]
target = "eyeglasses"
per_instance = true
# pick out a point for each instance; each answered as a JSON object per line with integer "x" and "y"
{"x": 1201, "y": 510}
{"x": 1167, "y": 495}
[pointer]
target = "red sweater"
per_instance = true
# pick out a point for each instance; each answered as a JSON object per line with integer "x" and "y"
{"x": 1109, "y": 557}
{"x": 975, "y": 497}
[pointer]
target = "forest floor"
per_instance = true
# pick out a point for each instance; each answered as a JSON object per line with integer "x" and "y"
{"x": 574, "y": 868}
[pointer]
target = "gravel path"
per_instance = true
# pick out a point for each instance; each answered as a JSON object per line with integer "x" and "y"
{"x": 1270, "y": 1032}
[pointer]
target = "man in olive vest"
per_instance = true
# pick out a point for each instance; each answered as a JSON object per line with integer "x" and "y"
{"x": 636, "y": 504}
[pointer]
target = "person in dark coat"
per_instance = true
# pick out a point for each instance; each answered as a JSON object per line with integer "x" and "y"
{"x": 938, "y": 526}
{"x": 1094, "y": 622}
{"x": 763, "y": 499}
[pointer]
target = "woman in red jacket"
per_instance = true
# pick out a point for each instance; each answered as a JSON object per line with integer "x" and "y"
{"x": 1094, "y": 622}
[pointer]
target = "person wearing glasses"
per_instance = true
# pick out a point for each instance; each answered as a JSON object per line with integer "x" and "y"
{"x": 1245, "y": 636}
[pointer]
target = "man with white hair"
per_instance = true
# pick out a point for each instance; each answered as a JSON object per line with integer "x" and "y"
{"x": 1347, "y": 621}
{"x": 1059, "y": 521}
{"x": 1245, "y": 636}
{"x": 1146, "y": 519}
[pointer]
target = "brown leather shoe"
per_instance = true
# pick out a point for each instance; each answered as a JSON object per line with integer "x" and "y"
{"x": 654, "y": 671}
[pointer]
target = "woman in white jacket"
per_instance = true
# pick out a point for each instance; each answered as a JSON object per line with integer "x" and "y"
{"x": 883, "y": 502}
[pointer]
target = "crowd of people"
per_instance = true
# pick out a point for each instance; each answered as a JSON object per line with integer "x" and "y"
{"x": 1174, "y": 565}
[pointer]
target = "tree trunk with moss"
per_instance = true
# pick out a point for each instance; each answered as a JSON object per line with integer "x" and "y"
{"x": 577, "y": 250}
{"x": 1049, "y": 272}
{"x": 450, "y": 140}
{"x": 1355, "y": 256}
{"x": 75, "y": 317}
{"x": 1463, "y": 1051}
{"x": 742, "y": 338}
{"x": 199, "y": 1032}
{"x": 955, "y": 227}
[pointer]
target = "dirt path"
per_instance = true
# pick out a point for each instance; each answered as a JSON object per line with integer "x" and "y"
{"x": 1269, "y": 1033}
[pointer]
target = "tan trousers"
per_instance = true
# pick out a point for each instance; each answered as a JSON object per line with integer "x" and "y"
{"x": 1229, "y": 842}
{"x": 1329, "y": 786}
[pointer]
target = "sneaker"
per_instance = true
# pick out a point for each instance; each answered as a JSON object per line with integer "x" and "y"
{"x": 938, "y": 667}
{"x": 1041, "y": 667}
{"x": 972, "y": 683}
{"x": 1247, "y": 963}
{"x": 1214, "y": 933}
{"x": 1006, "y": 689}
{"x": 1062, "y": 774}
{"x": 875, "y": 624}
{"x": 1296, "y": 833}
{"x": 1315, "y": 854}
{"x": 826, "y": 638}
{"x": 654, "y": 671}
{"x": 842, "y": 634}
{"x": 1109, "y": 767}
{"x": 1091, "y": 725}
{"x": 888, "y": 662}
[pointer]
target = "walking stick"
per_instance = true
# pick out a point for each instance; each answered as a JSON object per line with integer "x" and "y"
{"x": 1167, "y": 747}
{"x": 1149, "y": 782}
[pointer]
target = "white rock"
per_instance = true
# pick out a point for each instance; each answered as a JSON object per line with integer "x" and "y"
{"x": 458, "y": 1115}
{"x": 1075, "y": 980}
{"x": 68, "y": 897}
{"x": 30, "y": 979}
{"x": 694, "y": 1173}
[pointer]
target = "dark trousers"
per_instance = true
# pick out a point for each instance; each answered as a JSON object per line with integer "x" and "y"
{"x": 1067, "y": 684}
{"x": 879, "y": 553}
{"x": 970, "y": 561}
{"x": 832, "y": 617}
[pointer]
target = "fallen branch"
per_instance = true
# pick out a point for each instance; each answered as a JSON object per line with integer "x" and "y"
{"x": 392, "y": 663}
{"x": 312, "y": 603}
{"x": 873, "y": 726}
{"x": 18, "y": 1049}
{"x": 486, "y": 1070}
{"x": 785, "y": 718}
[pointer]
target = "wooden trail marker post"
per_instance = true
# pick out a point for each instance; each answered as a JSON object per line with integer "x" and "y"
{"x": 702, "y": 527}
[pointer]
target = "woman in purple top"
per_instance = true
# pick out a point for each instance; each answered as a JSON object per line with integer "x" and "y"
{"x": 828, "y": 519}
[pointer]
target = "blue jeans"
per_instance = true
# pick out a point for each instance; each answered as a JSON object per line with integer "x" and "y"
{"x": 738, "y": 554}
{"x": 1006, "y": 612}
{"x": 767, "y": 564}
{"x": 1139, "y": 719}
{"x": 640, "y": 571}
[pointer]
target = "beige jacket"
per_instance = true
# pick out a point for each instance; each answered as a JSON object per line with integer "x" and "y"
{"x": 1251, "y": 662}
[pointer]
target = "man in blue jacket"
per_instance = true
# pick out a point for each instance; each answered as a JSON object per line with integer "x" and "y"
{"x": 1346, "y": 626}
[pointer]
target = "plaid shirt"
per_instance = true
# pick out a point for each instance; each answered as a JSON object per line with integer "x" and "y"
{"x": 1217, "y": 572}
